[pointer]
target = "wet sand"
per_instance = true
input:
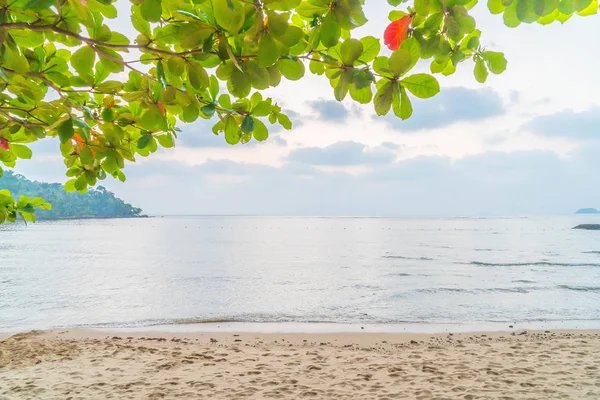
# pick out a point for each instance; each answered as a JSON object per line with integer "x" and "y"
{"x": 94, "y": 364}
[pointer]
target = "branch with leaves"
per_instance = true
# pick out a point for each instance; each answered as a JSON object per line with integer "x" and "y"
{"x": 110, "y": 99}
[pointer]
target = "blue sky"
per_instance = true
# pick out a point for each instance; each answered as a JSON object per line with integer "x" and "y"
{"x": 523, "y": 143}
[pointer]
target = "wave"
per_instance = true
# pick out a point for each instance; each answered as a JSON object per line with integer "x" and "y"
{"x": 361, "y": 286}
{"x": 523, "y": 281}
{"x": 285, "y": 319}
{"x": 398, "y": 274}
{"x": 531, "y": 264}
{"x": 482, "y": 290}
{"x": 591, "y": 252}
{"x": 410, "y": 258}
{"x": 580, "y": 288}
{"x": 516, "y": 289}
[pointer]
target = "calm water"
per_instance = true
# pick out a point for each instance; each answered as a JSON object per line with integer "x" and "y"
{"x": 124, "y": 273}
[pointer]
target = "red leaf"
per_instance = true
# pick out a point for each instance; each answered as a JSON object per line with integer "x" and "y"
{"x": 109, "y": 101}
{"x": 161, "y": 107}
{"x": 396, "y": 32}
{"x": 3, "y": 144}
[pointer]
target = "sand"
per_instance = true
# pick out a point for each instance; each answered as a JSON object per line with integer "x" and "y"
{"x": 102, "y": 365}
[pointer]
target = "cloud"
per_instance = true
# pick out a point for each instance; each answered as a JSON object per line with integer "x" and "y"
{"x": 583, "y": 125}
{"x": 491, "y": 183}
{"x": 199, "y": 135}
{"x": 330, "y": 110}
{"x": 450, "y": 106}
{"x": 341, "y": 154}
{"x": 46, "y": 146}
{"x": 391, "y": 146}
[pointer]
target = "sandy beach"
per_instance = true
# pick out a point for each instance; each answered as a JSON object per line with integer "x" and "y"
{"x": 82, "y": 364}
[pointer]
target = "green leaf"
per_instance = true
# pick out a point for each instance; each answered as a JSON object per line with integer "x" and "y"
{"x": 38, "y": 4}
{"x": 311, "y": 9}
{"x": 150, "y": 118}
{"x": 144, "y": 141}
{"x": 566, "y": 6}
{"x": 21, "y": 151}
{"x": 268, "y": 53}
{"x": 260, "y": 131}
{"x": 495, "y": 61}
{"x": 176, "y": 65}
{"x": 197, "y": 76}
{"x": 383, "y": 98}
{"x": 190, "y": 112}
{"x": 284, "y": 121}
{"x": 229, "y": 18}
{"x": 58, "y": 78}
{"x": 247, "y": 124}
{"x": 151, "y": 10}
{"x": 293, "y": 36}
{"x": 343, "y": 85}
{"x": 400, "y": 62}
{"x": 545, "y": 7}
{"x": 422, "y": 7}
{"x": 191, "y": 15}
{"x": 232, "y": 130}
{"x": 371, "y": 48}
{"x": 160, "y": 74}
{"x": 591, "y": 9}
{"x": 510, "y": 16}
{"x": 4, "y": 76}
{"x": 330, "y": 31}
{"x": 526, "y": 10}
{"x": 209, "y": 109}
{"x": 86, "y": 156}
{"x": 401, "y": 104}
{"x": 481, "y": 72}
{"x": 291, "y": 69}
{"x": 277, "y": 23}
{"x": 65, "y": 130}
{"x": 239, "y": 85}
{"x": 316, "y": 67}
{"x": 165, "y": 140}
{"x": 362, "y": 95}
{"x": 350, "y": 51}
{"x": 414, "y": 48}
{"x": 108, "y": 114}
{"x": 422, "y": 86}
{"x": 496, "y": 6}
{"x": 109, "y": 86}
{"x": 83, "y": 60}
{"x": 581, "y": 5}
{"x": 381, "y": 65}
{"x": 213, "y": 87}
{"x": 110, "y": 163}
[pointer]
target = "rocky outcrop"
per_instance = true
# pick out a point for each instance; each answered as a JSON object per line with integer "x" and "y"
{"x": 589, "y": 227}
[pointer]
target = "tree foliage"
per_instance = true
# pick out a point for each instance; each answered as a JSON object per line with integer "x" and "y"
{"x": 109, "y": 98}
{"x": 96, "y": 203}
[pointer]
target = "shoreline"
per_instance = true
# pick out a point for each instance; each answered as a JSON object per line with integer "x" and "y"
{"x": 91, "y": 364}
{"x": 230, "y": 326}
{"x": 339, "y": 338}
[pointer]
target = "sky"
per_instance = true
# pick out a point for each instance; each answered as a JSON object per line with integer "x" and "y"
{"x": 524, "y": 143}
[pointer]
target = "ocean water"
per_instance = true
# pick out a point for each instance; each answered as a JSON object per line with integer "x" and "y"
{"x": 184, "y": 270}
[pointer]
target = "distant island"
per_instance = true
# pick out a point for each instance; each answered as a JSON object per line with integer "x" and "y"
{"x": 96, "y": 203}
{"x": 587, "y": 211}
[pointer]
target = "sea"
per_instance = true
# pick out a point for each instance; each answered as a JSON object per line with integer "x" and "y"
{"x": 314, "y": 273}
